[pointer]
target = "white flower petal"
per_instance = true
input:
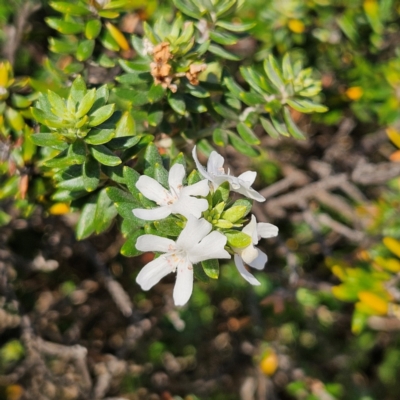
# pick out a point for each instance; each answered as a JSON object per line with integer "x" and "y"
{"x": 152, "y": 190}
{"x": 215, "y": 164}
{"x": 260, "y": 261}
{"x": 152, "y": 214}
{"x": 201, "y": 188}
{"x": 184, "y": 284}
{"x": 251, "y": 229}
{"x": 201, "y": 169}
{"x": 193, "y": 232}
{"x": 154, "y": 243}
{"x": 250, "y": 193}
{"x": 175, "y": 177}
{"x": 187, "y": 206}
{"x": 212, "y": 246}
{"x": 243, "y": 271}
{"x": 266, "y": 230}
{"x": 152, "y": 272}
{"x": 249, "y": 177}
{"x": 248, "y": 254}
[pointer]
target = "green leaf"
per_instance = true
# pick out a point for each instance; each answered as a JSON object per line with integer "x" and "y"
{"x": 177, "y": 103}
{"x": 194, "y": 177}
{"x": 99, "y": 136}
{"x": 233, "y": 27}
{"x": 85, "y": 49}
{"x": 57, "y": 104}
{"x": 155, "y": 115}
{"x": 104, "y": 156}
{"x": 160, "y": 174}
{"x": 49, "y": 139}
{"x": 125, "y": 126}
{"x": 77, "y": 151}
{"x": 269, "y": 128}
{"x": 73, "y": 185}
{"x": 156, "y": 93}
{"x": 69, "y": 8}
{"x": 306, "y": 106}
{"x": 224, "y": 54}
{"x": 245, "y": 203}
{"x": 122, "y": 143}
{"x": 272, "y": 70}
{"x": 241, "y": 145}
{"x": 129, "y": 248}
{"x": 135, "y": 78}
{"x": 105, "y": 212}
{"x": 223, "y": 38}
{"x": 64, "y": 27}
{"x": 86, "y": 103}
{"x": 221, "y": 194}
{"x": 199, "y": 273}
{"x": 120, "y": 196}
{"x": 235, "y": 213}
{"x": 220, "y": 137}
{"x": 77, "y": 92}
{"x": 101, "y": 115}
{"x": 151, "y": 158}
{"x": 91, "y": 174}
{"x": 237, "y": 239}
{"x": 211, "y": 268}
{"x": 169, "y": 226}
{"x": 188, "y": 9}
{"x": 131, "y": 177}
{"x": 92, "y": 29}
{"x": 223, "y": 224}
{"x": 292, "y": 127}
{"x": 85, "y": 225}
{"x": 114, "y": 173}
{"x": 247, "y": 134}
{"x": 226, "y": 112}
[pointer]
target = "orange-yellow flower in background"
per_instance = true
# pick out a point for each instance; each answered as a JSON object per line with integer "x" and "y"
{"x": 374, "y": 302}
{"x": 354, "y": 93}
{"x": 59, "y": 209}
{"x": 269, "y": 363}
{"x": 296, "y": 26}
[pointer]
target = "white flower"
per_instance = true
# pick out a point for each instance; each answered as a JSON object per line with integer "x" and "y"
{"x": 215, "y": 173}
{"x": 252, "y": 255}
{"x": 177, "y": 200}
{"x": 194, "y": 244}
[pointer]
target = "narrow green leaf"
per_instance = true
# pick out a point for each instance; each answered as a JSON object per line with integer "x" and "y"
{"x": 85, "y": 49}
{"x": 211, "y": 268}
{"x": 224, "y": 54}
{"x": 105, "y": 212}
{"x": 292, "y": 127}
{"x": 78, "y": 91}
{"x": 92, "y": 29}
{"x": 104, "y": 156}
{"x": 125, "y": 126}
{"x": 169, "y": 226}
{"x": 91, "y": 174}
{"x": 101, "y": 114}
{"x": 221, "y": 194}
{"x": 269, "y": 128}
{"x": 129, "y": 248}
{"x": 86, "y": 103}
{"x": 241, "y": 146}
{"x": 64, "y": 27}
{"x": 151, "y": 158}
{"x": 233, "y": 27}
{"x": 247, "y": 134}
{"x": 237, "y": 239}
{"x": 177, "y": 103}
{"x": 99, "y": 136}
{"x": 223, "y": 38}
{"x": 220, "y": 137}
{"x": 49, "y": 139}
{"x": 85, "y": 225}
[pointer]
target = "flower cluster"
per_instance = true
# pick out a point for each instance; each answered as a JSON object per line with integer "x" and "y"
{"x": 210, "y": 225}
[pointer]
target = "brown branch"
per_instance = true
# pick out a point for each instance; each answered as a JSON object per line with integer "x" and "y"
{"x": 15, "y": 32}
